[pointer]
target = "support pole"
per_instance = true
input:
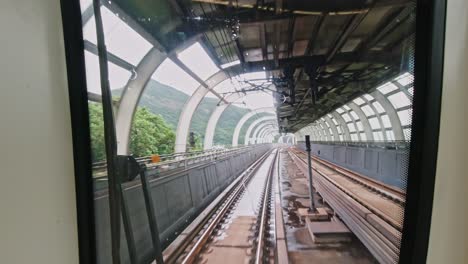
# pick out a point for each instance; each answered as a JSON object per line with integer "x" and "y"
{"x": 157, "y": 249}
{"x": 110, "y": 138}
{"x": 309, "y": 164}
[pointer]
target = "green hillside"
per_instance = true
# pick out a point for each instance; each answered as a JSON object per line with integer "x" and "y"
{"x": 168, "y": 102}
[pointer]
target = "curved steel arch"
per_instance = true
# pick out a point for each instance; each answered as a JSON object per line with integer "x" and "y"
{"x": 235, "y": 137}
{"x": 134, "y": 89}
{"x": 324, "y": 129}
{"x": 377, "y": 114}
{"x": 267, "y": 131}
{"x": 267, "y": 135}
{"x": 342, "y": 123}
{"x": 213, "y": 121}
{"x": 262, "y": 132}
{"x": 261, "y": 128}
{"x": 253, "y": 124}
{"x": 354, "y": 122}
{"x": 131, "y": 96}
{"x": 214, "y": 118}
{"x": 211, "y": 126}
{"x": 336, "y": 135}
{"x": 188, "y": 110}
{"x": 364, "y": 120}
{"x": 392, "y": 114}
{"x": 318, "y": 132}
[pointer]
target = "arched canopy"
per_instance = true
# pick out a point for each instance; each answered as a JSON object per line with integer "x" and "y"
{"x": 272, "y": 124}
{"x": 382, "y": 115}
{"x": 255, "y": 123}
{"x": 191, "y": 105}
{"x": 235, "y": 138}
{"x": 151, "y": 56}
{"x": 214, "y": 118}
{"x": 154, "y": 47}
{"x": 266, "y": 133}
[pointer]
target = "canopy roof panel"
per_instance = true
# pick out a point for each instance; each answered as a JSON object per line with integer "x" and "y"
{"x": 309, "y": 57}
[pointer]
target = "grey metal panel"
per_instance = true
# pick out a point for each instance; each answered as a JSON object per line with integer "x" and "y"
{"x": 389, "y": 166}
{"x": 181, "y": 202}
{"x": 402, "y": 169}
{"x": 177, "y": 198}
{"x": 356, "y": 159}
{"x": 371, "y": 160}
{"x": 197, "y": 185}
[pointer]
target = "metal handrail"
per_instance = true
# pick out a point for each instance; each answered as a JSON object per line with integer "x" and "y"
{"x": 181, "y": 161}
{"x": 174, "y": 156}
{"x": 397, "y": 144}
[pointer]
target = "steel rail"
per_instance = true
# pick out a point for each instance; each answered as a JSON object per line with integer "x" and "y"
{"x": 381, "y": 239}
{"x": 259, "y": 256}
{"x": 391, "y": 192}
{"x": 215, "y": 215}
{"x": 394, "y": 194}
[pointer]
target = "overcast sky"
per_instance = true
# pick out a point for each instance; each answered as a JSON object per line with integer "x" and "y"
{"x": 124, "y": 42}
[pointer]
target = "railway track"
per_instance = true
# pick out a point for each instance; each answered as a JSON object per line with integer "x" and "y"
{"x": 232, "y": 228}
{"x": 372, "y": 211}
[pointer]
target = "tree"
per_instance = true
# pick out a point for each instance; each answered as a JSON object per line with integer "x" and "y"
{"x": 197, "y": 141}
{"x": 96, "y": 126}
{"x": 150, "y": 134}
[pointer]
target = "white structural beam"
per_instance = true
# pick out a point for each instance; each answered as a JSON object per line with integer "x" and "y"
{"x": 135, "y": 86}
{"x": 235, "y": 137}
{"x": 131, "y": 96}
{"x": 270, "y": 135}
{"x": 263, "y": 126}
{"x": 265, "y": 133}
{"x": 344, "y": 127}
{"x": 214, "y": 118}
{"x": 378, "y": 115}
{"x": 336, "y": 135}
{"x": 188, "y": 110}
{"x": 211, "y": 126}
{"x": 322, "y": 126}
{"x": 266, "y": 136}
{"x": 392, "y": 114}
{"x": 255, "y": 123}
{"x": 364, "y": 121}
{"x": 185, "y": 118}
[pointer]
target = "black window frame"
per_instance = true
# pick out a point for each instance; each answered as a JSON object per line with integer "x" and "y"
{"x": 429, "y": 56}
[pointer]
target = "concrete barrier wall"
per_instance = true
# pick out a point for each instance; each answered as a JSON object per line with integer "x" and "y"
{"x": 178, "y": 199}
{"x": 389, "y": 166}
